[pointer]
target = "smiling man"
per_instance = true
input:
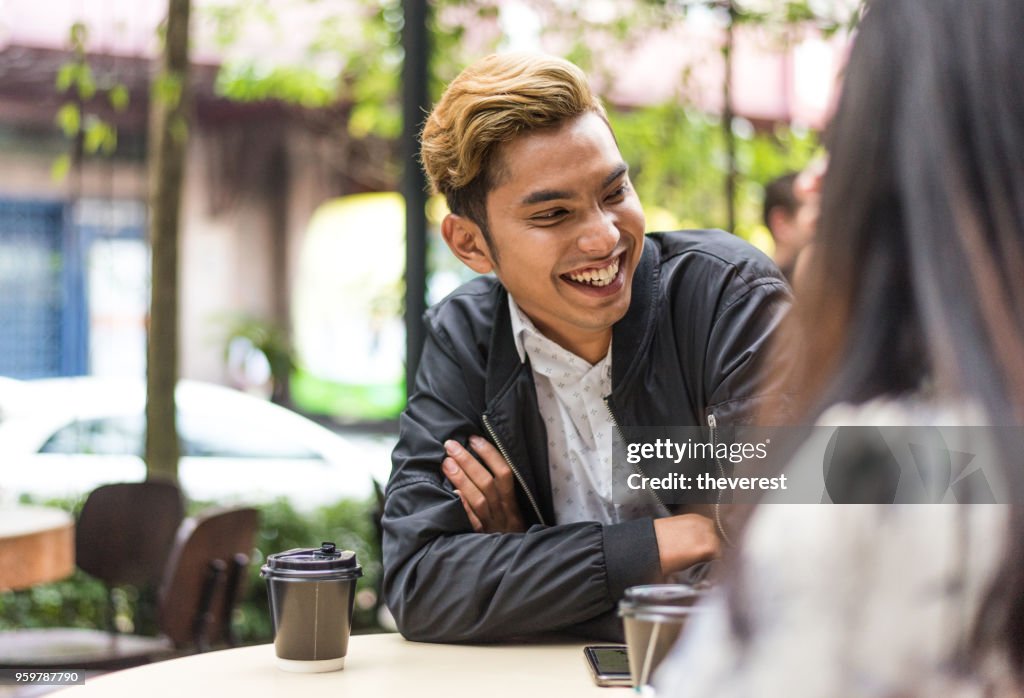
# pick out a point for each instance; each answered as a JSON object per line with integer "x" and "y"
{"x": 500, "y": 518}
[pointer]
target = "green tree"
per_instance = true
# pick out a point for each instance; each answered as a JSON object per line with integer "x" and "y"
{"x": 597, "y": 36}
{"x": 679, "y": 152}
{"x": 677, "y": 162}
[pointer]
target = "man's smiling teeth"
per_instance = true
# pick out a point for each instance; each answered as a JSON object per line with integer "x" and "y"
{"x": 598, "y": 277}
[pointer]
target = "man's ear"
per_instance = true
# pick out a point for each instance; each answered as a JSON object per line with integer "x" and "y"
{"x": 466, "y": 241}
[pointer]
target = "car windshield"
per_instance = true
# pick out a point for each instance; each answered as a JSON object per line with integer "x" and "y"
{"x": 201, "y": 438}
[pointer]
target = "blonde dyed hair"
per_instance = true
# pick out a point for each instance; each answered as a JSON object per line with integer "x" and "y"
{"x": 490, "y": 103}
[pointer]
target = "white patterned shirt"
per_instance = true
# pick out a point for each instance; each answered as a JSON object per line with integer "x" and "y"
{"x": 570, "y": 398}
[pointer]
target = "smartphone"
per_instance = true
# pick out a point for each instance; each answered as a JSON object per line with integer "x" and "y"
{"x": 609, "y": 664}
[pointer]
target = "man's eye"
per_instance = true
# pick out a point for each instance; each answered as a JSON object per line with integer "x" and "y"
{"x": 618, "y": 193}
{"x": 549, "y": 216}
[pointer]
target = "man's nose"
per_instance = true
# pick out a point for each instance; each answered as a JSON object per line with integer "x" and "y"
{"x": 600, "y": 236}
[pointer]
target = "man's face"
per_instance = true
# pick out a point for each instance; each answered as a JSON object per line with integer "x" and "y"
{"x": 566, "y": 229}
{"x": 807, "y": 189}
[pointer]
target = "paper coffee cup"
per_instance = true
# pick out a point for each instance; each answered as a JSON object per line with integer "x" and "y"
{"x": 653, "y": 615}
{"x": 312, "y": 592}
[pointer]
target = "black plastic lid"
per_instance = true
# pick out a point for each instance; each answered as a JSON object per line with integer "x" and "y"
{"x": 324, "y": 562}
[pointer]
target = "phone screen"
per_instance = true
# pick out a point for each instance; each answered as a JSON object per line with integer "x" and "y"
{"x": 609, "y": 664}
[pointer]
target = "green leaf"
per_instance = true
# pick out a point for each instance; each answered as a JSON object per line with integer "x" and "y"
{"x": 797, "y": 12}
{"x": 95, "y": 135}
{"x": 69, "y": 119}
{"x": 362, "y": 120}
{"x": 99, "y": 136}
{"x": 60, "y": 168}
{"x": 67, "y": 75}
{"x": 118, "y": 97}
{"x": 86, "y": 83}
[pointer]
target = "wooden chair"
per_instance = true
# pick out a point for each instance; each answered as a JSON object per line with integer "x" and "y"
{"x": 202, "y": 582}
{"x": 123, "y": 536}
{"x": 206, "y": 575}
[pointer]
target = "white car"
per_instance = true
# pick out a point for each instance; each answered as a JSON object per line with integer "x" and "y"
{"x": 66, "y": 436}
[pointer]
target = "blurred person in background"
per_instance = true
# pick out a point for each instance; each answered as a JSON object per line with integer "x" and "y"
{"x": 911, "y": 313}
{"x": 780, "y": 216}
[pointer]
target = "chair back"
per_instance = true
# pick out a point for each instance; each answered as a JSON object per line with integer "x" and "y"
{"x": 125, "y": 530}
{"x": 205, "y": 576}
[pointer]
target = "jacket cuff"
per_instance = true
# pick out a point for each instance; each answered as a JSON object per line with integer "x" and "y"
{"x": 631, "y": 555}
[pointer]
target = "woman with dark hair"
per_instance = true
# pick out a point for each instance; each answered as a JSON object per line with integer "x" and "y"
{"x": 911, "y": 312}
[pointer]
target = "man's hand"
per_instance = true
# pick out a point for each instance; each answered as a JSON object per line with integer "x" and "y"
{"x": 685, "y": 540}
{"x": 488, "y": 493}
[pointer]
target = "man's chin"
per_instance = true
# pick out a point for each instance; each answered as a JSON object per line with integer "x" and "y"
{"x": 606, "y": 314}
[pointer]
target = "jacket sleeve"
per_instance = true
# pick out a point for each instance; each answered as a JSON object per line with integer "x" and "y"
{"x": 738, "y": 390}
{"x": 444, "y": 582}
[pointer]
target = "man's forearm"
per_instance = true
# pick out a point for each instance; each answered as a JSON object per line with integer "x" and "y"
{"x": 486, "y": 587}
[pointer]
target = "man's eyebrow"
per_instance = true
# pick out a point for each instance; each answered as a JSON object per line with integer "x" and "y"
{"x": 622, "y": 169}
{"x": 542, "y": 195}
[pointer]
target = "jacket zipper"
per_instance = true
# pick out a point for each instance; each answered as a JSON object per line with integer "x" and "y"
{"x": 713, "y": 426}
{"x": 636, "y": 467}
{"x": 515, "y": 471}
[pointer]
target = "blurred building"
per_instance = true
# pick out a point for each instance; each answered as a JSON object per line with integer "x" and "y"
{"x": 73, "y": 256}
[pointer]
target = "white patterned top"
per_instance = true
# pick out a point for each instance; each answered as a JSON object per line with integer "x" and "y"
{"x": 570, "y": 398}
{"x": 852, "y": 599}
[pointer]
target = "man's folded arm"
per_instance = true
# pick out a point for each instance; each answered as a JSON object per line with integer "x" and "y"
{"x": 445, "y": 583}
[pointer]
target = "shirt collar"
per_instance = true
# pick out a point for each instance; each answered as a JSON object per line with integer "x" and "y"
{"x": 522, "y": 327}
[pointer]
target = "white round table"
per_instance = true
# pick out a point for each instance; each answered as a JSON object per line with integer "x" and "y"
{"x": 377, "y": 666}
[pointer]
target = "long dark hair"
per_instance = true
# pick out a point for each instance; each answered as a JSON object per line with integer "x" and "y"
{"x": 916, "y": 278}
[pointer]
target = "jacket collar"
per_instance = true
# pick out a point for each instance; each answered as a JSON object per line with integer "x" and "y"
{"x": 630, "y": 335}
{"x": 502, "y": 357}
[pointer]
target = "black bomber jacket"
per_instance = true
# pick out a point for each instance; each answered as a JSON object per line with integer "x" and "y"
{"x": 704, "y": 307}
